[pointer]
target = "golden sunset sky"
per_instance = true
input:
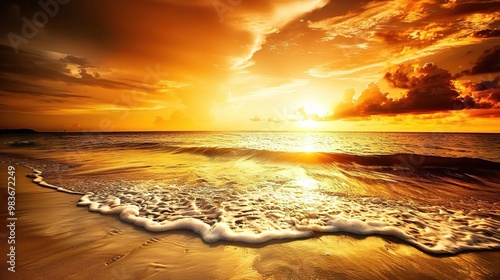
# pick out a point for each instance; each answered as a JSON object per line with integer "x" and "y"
{"x": 403, "y": 65}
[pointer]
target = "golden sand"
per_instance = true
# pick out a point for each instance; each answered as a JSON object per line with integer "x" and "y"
{"x": 57, "y": 240}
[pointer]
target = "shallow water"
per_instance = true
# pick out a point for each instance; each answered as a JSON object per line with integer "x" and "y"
{"x": 438, "y": 192}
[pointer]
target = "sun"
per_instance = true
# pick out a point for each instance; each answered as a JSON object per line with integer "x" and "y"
{"x": 315, "y": 108}
{"x": 310, "y": 113}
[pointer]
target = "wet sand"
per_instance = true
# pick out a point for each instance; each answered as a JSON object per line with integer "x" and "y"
{"x": 56, "y": 239}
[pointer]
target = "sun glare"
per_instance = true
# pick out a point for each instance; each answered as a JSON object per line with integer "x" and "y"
{"x": 310, "y": 112}
{"x": 314, "y": 108}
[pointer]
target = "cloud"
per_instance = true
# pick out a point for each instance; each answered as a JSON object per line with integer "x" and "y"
{"x": 84, "y": 75}
{"x": 430, "y": 88}
{"x": 35, "y": 66}
{"x": 371, "y": 102}
{"x": 400, "y": 31}
{"x": 471, "y": 7}
{"x": 390, "y": 37}
{"x": 487, "y": 33}
{"x": 262, "y": 19}
{"x": 495, "y": 96}
{"x": 255, "y": 119}
{"x": 486, "y": 91}
{"x": 83, "y": 62}
{"x": 358, "y": 22}
{"x": 329, "y": 70}
{"x": 427, "y": 89}
{"x": 488, "y": 62}
{"x": 57, "y": 83}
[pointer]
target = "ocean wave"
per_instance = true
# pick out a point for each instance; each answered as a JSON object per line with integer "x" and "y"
{"x": 411, "y": 161}
{"x": 21, "y": 143}
{"x": 407, "y": 160}
{"x": 283, "y": 153}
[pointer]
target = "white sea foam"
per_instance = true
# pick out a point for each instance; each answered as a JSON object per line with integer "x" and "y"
{"x": 37, "y": 178}
{"x": 286, "y": 211}
{"x": 271, "y": 212}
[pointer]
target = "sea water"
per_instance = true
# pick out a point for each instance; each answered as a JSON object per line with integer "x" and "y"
{"x": 439, "y": 192}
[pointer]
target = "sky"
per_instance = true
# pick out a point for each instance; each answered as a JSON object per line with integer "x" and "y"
{"x": 358, "y": 65}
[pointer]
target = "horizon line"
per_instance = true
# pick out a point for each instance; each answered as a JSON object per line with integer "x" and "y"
{"x": 30, "y": 130}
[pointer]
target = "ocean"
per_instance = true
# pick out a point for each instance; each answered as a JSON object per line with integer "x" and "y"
{"x": 439, "y": 192}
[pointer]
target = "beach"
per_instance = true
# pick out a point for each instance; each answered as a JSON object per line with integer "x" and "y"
{"x": 231, "y": 139}
{"x": 56, "y": 239}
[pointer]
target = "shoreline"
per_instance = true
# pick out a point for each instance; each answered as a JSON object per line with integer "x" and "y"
{"x": 55, "y": 238}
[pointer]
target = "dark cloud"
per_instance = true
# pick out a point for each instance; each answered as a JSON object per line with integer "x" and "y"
{"x": 487, "y": 33}
{"x": 488, "y": 62}
{"x": 80, "y": 21}
{"x": 489, "y": 91}
{"x": 30, "y": 68}
{"x": 484, "y": 94}
{"x": 34, "y": 66}
{"x": 495, "y": 96}
{"x": 431, "y": 89}
{"x": 486, "y": 85}
{"x": 474, "y": 8}
{"x": 56, "y": 94}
